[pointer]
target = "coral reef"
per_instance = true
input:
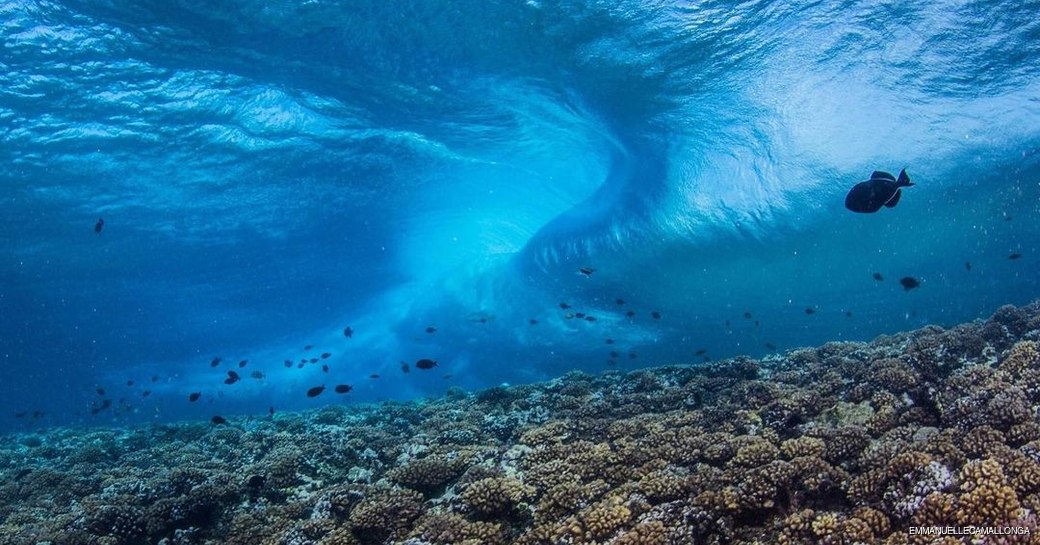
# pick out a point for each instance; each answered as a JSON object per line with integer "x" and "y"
{"x": 844, "y": 443}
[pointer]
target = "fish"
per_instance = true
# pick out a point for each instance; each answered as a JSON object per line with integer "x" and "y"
{"x": 21, "y": 414}
{"x": 348, "y": 332}
{"x": 810, "y": 310}
{"x": 313, "y": 360}
{"x": 129, "y": 383}
{"x": 727, "y": 323}
{"x": 232, "y": 377}
{"x": 771, "y": 346}
{"x": 701, "y": 352}
{"x": 878, "y": 277}
{"x": 373, "y": 376}
{"x": 630, "y": 313}
{"x": 909, "y": 283}
{"x": 587, "y": 271}
{"x": 326, "y": 355}
{"x": 257, "y": 481}
{"x": 258, "y": 375}
{"x": 848, "y": 314}
{"x": 100, "y": 391}
{"x": 215, "y": 362}
{"x": 299, "y": 365}
{"x": 308, "y": 347}
{"x": 155, "y": 378}
{"x": 614, "y": 353}
{"x": 343, "y": 388}
{"x": 99, "y": 225}
{"x": 632, "y": 355}
{"x": 747, "y": 315}
{"x": 405, "y": 368}
{"x": 1014, "y": 256}
{"x": 610, "y": 341}
{"x": 242, "y": 363}
{"x": 882, "y": 189}
{"x": 532, "y": 321}
{"x": 564, "y": 306}
{"x": 967, "y": 265}
{"x": 655, "y": 315}
{"x": 270, "y": 411}
{"x": 757, "y": 323}
{"x": 218, "y": 420}
{"x": 431, "y": 330}
{"x": 315, "y": 391}
{"x": 590, "y": 318}
{"x": 324, "y": 368}
{"x": 579, "y": 314}
{"x": 619, "y": 301}
{"x": 288, "y": 363}
{"x": 426, "y": 363}
{"x": 194, "y": 396}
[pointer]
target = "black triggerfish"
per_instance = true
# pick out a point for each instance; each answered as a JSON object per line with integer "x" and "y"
{"x": 882, "y": 189}
{"x": 99, "y": 226}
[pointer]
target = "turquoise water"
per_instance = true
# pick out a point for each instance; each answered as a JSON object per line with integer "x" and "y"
{"x": 271, "y": 174}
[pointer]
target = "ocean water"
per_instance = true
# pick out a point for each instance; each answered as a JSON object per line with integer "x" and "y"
{"x": 270, "y": 173}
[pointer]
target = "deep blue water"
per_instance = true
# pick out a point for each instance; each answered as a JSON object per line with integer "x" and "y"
{"x": 270, "y": 173}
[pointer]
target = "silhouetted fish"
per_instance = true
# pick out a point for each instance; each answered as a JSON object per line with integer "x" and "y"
{"x": 155, "y": 378}
{"x": 129, "y": 383}
{"x": 630, "y": 313}
{"x": 747, "y": 315}
{"x": 300, "y": 365}
{"x": 313, "y": 360}
{"x": 614, "y": 353}
{"x": 771, "y": 346}
{"x": 258, "y": 375}
{"x": 194, "y": 396}
{"x": 532, "y": 321}
{"x": 909, "y": 283}
{"x": 882, "y": 189}
{"x": 326, "y": 355}
{"x": 100, "y": 391}
{"x": 242, "y": 363}
{"x": 218, "y": 420}
{"x": 431, "y": 329}
{"x": 655, "y": 315}
{"x": 308, "y": 347}
{"x": 405, "y": 368}
{"x": 632, "y": 355}
{"x": 348, "y": 332}
{"x": 288, "y": 363}
{"x": 610, "y": 341}
{"x": 343, "y": 388}
{"x": 99, "y": 226}
{"x": 587, "y": 271}
{"x": 700, "y": 352}
{"x": 590, "y": 318}
{"x": 270, "y": 412}
{"x": 810, "y": 310}
{"x": 324, "y": 368}
{"x": 878, "y": 277}
{"x": 848, "y": 314}
{"x": 373, "y": 376}
{"x": 232, "y": 377}
{"x": 564, "y": 306}
{"x": 214, "y": 362}
{"x": 1014, "y": 256}
{"x": 579, "y": 314}
{"x": 426, "y": 363}
{"x": 967, "y": 265}
{"x": 315, "y": 391}
{"x": 619, "y": 301}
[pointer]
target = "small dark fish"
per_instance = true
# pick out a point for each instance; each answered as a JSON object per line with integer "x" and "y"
{"x": 587, "y": 271}
{"x": 308, "y": 347}
{"x": 909, "y": 283}
{"x": 258, "y": 375}
{"x": 655, "y": 315}
{"x": 1014, "y": 256}
{"x": 218, "y": 420}
{"x": 315, "y": 391}
{"x": 532, "y": 321}
{"x": 257, "y": 481}
{"x": 756, "y": 323}
{"x": 967, "y": 265}
{"x": 155, "y": 378}
{"x": 882, "y": 189}
{"x": 324, "y": 368}
{"x": 426, "y": 363}
{"x": 447, "y": 376}
{"x": 632, "y": 355}
{"x": 405, "y": 368}
{"x": 215, "y": 362}
{"x": 129, "y": 383}
{"x": 614, "y": 353}
{"x": 326, "y": 355}
{"x": 727, "y": 323}
{"x": 194, "y": 396}
{"x": 848, "y": 314}
{"x": 590, "y": 318}
{"x": 771, "y": 346}
{"x": 878, "y": 277}
{"x": 232, "y": 377}
{"x": 313, "y": 360}
{"x": 747, "y": 315}
{"x": 431, "y": 329}
{"x": 348, "y": 332}
{"x": 303, "y": 360}
{"x": 610, "y": 341}
{"x": 630, "y": 313}
{"x": 288, "y": 363}
{"x": 242, "y": 363}
{"x": 99, "y": 226}
{"x": 299, "y": 365}
{"x": 270, "y": 411}
{"x": 810, "y": 310}
{"x": 100, "y": 391}
{"x": 564, "y": 306}
{"x": 146, "y": 393}
{"x": 373, "y": 376}
{"x": 619, "y": 301}
{"x": 579, "y": 314}
{"x": 20, "y": 414}
{"x": 700, "y": 352}
{"x": 343, "y": 388}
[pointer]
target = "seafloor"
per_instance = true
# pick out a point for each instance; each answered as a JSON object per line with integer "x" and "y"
{"x": 845, "y": 443}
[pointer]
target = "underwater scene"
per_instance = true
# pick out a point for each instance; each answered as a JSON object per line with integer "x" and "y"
{"x": 423, "y": 272}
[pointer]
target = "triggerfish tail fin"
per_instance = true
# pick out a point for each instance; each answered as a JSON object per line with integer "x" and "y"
{"x": 904, "y": 179}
